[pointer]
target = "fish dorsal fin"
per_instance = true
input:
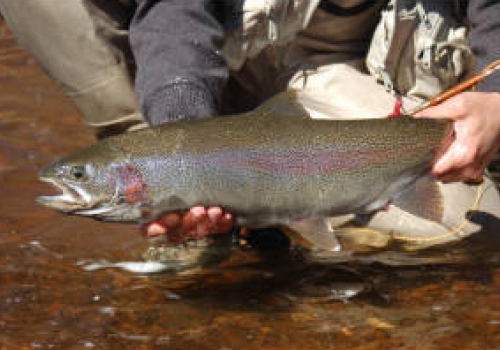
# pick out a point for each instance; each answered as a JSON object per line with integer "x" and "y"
{"x": 423, "y": 198}
{"x": 284, "y": 104}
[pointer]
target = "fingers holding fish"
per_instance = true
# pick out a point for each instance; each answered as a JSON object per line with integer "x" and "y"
{"x": 219, "y": 220}
{"x": 476, "y": 127}
{"x": 461, "y": 162}
{"x": 198, "y": 222}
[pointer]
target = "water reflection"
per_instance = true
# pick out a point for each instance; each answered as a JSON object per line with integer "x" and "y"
{"x": 48, "y": 299}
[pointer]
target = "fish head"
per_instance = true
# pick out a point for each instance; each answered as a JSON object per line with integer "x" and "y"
{"x": 96, "y": 182}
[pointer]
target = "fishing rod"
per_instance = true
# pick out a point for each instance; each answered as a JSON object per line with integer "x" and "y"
{"x": 465, "y": 85}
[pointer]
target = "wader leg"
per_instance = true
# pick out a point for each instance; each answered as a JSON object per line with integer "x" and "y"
{"x": 85, "y": 51}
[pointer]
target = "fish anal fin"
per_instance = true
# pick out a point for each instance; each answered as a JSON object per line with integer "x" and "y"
{"x": 423, "y": 199}
{"x": 316, "y": 232}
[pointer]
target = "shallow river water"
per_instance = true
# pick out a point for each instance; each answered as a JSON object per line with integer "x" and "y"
{"x": 48, "y": 301}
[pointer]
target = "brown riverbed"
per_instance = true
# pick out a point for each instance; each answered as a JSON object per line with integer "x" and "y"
{"x": 47, "y": 301}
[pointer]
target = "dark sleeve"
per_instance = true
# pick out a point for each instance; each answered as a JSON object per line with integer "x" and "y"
{"x": 484, "y": 39}
{"x": 179, "y": 71}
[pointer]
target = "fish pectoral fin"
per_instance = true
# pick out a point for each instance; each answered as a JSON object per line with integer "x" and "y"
{"x": 284, "y": 104}
{"x": 317, "y": 232}
{"x": 171, "y": 204}
{"x": 423, "y": 199}
{"x": 146, "y": 211}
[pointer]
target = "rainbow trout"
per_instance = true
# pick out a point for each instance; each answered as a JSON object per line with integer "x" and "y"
{"x": 270, "y": 166}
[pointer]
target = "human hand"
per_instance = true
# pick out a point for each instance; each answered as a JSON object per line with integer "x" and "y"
{"x": 476, "y": 127}
{"x": 198, "y": 222}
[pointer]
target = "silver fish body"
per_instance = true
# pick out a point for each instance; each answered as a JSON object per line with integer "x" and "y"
{"x": 265, "y": 167}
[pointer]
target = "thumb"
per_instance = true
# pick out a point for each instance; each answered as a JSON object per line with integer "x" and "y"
{"x": 454, "y": 108}
{"x": 441, "y": 111}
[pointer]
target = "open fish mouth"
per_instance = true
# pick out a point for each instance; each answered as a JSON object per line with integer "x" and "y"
{"x": 73, "y": 199}
{"x": 70, "y": 198}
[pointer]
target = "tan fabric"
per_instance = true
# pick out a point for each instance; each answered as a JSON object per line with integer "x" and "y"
{"x": 414, "y": 51}
{"x": 266, "y": 23}
{"x": 326, "y": 60}
{"x": 78, "y": 51}
{"x": 419, "y": 49}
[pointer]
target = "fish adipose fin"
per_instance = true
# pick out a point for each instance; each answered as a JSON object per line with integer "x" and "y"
{"x": 317, "y": 232}
{"x": 423, "y": 199}
{"x": 284, "y": 104}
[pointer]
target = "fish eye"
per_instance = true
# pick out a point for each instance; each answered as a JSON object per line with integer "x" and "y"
{"x": 77, "y": 172}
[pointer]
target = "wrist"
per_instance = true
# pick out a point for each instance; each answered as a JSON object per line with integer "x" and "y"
{"x": 177, "y": 101}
